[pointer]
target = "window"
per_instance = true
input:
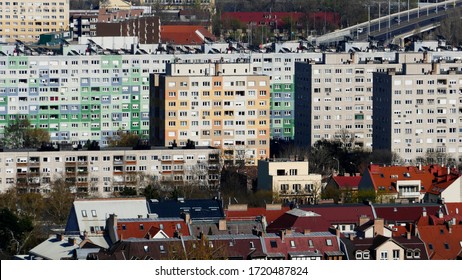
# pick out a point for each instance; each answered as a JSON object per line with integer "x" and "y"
{"x": 93, "y": 213}
{"x": 396, "y": 254}
{"x": 384, "y": 255}
{"x": 359, "y": 255}
{"x": 84, "y": 213}
{"x": 329, "y": 242}
{"x": 273, "y": 244}
{"x": 292, "y": 243}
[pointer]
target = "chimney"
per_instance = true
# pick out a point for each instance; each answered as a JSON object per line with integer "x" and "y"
{"x": 60, "y": 236}
{"x": 408, "y": 235}
{"x": 222, "y": 224}
{"x": 351, "y": 236}
{"x": 283, "y": 235}
{"x": 378, "y": 226}
{"x": 363, "y": 219}
{"x": 288, "y": 231}
{"x": 72, "y": 241}
{"x": 424, "y": 213}
{"x": 187, "y": 217}
{"x": 306, "y": 231}
{"x": 264, "y": 223}
{"x": 440, "y": 214}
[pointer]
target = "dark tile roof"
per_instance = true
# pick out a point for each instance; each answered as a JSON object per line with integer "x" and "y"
{"x": 404, "y": 213}
{"x": 199, "y": 209}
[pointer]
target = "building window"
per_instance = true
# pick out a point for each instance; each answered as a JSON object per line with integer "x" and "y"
{"x": 84, "y": 213}
{"x": 93, "y": 213}
{"x": 396, "y": 254}
{"x": 384, "y": 255}
{"x": 359, "y": 255}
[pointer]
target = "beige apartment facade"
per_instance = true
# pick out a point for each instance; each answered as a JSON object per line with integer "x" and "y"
{"x": 417, "y": 112}
{"x": 222, "y": 105}
{"x": 25, "y": 20}
{"x": 102, "y": 172}
{"x": 333, "y": 98}
{"x": 289, "y": 180}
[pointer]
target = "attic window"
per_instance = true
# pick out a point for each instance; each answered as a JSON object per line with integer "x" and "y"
{"x": 441, "y": 231}
{"x": 407, "y": 175}
{"x": 161, "y": 247}
{"x": 141, "y": 227}
{"x": 366, "y": 255}
{"x": 252, "y": 246}
{"x": 310, "y": 243}
{"x": 381, "y": 175}
{"x": 84, "y": 213}
{"x": 417, "y": 254}
{"x": 446, "y": 246}
{"x": 292, "y": 243}
{"x": 273, "y": 244}
{"x": 359, "y": 255}
{"x": 430, "y": 246}
{"x": 93, "y": 213}
{"x": 178, "y": 226}
{"x": 210, "y": 244}
{"x": 329, "y": 242}
{"x": 146, "y": 248}
{"x": 161, "y": 226}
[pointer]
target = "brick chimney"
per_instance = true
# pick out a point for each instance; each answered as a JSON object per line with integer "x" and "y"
{"x": 408, "y": 235}
{"x": 378, "y": 226}
{"x": 187, "y": 217}
{"x": 222, "y": 224}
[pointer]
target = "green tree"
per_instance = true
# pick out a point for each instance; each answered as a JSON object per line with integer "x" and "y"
{"x": 14, "y": 232}
{"x": 123, "y": 139}
{"x": 19, "y": 134}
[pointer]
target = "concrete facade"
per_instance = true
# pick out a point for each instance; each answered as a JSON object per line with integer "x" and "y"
{"x": 25, "y": 20}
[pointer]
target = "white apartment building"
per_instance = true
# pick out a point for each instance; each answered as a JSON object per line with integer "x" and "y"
{"x": 335, "y": 96}
{"x": 223, "y": 105}
{"x": 289, "y": 180}
{"x": 105, "y": 171}
{"x": 418, "y": 112}
{"x": 25, "y": 20}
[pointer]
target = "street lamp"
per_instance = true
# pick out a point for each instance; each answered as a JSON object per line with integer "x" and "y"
{"x": 338, "y": 165}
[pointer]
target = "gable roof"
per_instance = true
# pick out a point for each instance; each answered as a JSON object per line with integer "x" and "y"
{"x": 184, "y": 34}
{"x": 142, "y": 228}
{"x": 441, "y": 244}
{"x": 347, "y": 182}
{"x": 199, "y": 209}
{"x": 254, "y": 213}
{"x": 434, "y": 178}
{"x": 344, "y": 213}
{"x": 86, "y": 213}
{"x": 404, "y": 213}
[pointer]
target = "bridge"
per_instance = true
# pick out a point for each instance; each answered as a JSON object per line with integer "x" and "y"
{"x": 396, "y": 26}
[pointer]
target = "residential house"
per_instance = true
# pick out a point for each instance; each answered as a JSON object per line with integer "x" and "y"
{"x": 289, "y": 180}
{"x": 290, "y": 245}
{"x": 442, "y": 235}
{"x": 411, "y": 184}
{"x": 341, "y": 188}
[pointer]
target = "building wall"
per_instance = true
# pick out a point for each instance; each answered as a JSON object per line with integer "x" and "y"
{"x": 103, "y": 172}
{"x": 454, "y": 192}
{"x": 25, "y": 20}
{"x": 338, "y": 92}
{"x": 221, "y": 105}
{"x": 289, "y": 180}
{"x": 389, "y": 247}
{"x": 417, "y": 111}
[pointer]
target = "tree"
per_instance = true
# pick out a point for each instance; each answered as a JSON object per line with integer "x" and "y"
{"x": 59, "y": 201}
{"x": 451, "y": 28}
{"x": 19, "y": 134}
{"x": 31, "y": 205}
{"x": 198, "y": 249}
{"x": 123, "y": 139}
{"x": 14, "y": 232}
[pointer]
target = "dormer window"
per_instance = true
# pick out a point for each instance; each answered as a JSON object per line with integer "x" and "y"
{"x": 366, "y": 255}
{"x": 329, "y": 242}
{"x": 252, "y": 245}
{"x": 292, "y": 243}
{"x": 359, "y": 255}
{"x": 417, "y": 254}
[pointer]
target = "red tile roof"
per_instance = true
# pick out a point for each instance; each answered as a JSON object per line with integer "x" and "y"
{"x": 346, "y": 213}
{"x": 434, "y": 178}
{"x": 347, "y": 182}
{"x": 404, "y": 213}
{"x": 440, "y": 243}
{"x": 184, "y": 34}
{"x": 313, "y": 244}
{"x": 454, "y": 208}
{"x": 131, "y": 228}
{"x": 253, "y": 213}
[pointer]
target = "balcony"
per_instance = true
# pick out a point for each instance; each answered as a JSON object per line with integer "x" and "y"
{"x": 409, "y": 194}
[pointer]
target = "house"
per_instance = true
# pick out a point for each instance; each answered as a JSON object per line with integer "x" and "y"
{"x": 60, "y": 246}
{"x": 289, "y": 180}
{"x": 374, "y": 241}
{"x": 398, "y": 214}
{"x": 319, "y": 218}
{"x": 442, "y": 235}
{"x": 290, "y": 245}
{"x": 149, "y": 228}
{"x": 341, "y": 188}
{"x": 266, "y": 215}
{"x": 407, "y": 184}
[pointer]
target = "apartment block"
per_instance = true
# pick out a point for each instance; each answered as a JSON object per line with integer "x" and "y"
{"x": 417, "y": 111}
{"x": 333, "y": 98}
{"x": 213, "y": 104}
{"x": 25, "y": 20}
{"x": 289, "y": 180}
{"x": 102, "y": 172}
